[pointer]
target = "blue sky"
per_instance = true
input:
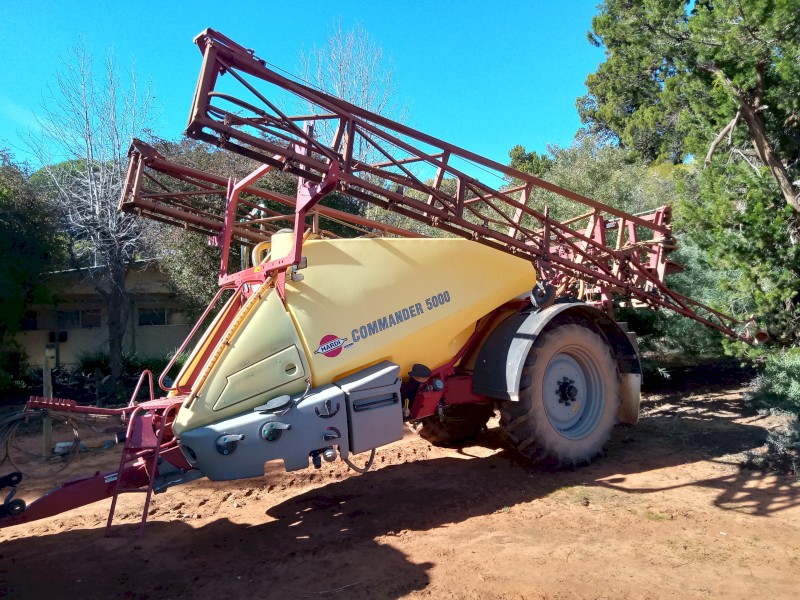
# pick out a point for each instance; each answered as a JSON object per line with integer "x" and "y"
{"x": 482, "y": 75}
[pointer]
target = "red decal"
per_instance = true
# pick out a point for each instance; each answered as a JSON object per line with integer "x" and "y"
{"x": 330, "y": 345}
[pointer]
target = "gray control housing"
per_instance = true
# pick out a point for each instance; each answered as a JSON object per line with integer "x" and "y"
{"x": 358, "y": 413}
{"x": 374, "y": 406}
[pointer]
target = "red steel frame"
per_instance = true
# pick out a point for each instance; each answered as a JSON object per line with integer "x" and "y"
{"x": 423, "y": 178}
{"x": 164, "y": 191}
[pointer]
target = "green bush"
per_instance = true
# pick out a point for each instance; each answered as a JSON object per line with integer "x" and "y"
{"x": 13, "y": 369}
{"x": 96, "y": 361}
{"x": 88, "y": 361}
{"x": 132, "y": 364}
{"x": 779, "y": 385}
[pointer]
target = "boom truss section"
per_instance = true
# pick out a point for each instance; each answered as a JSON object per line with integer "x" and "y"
{"x": 415, "y": 183}
{"x": 178, "y": 195}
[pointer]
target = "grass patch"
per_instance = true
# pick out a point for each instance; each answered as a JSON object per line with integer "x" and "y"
{"x": 654, "y": 516}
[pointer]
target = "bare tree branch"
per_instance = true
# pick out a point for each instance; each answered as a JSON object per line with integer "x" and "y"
{"x": 351, "y": 66}
{"x": 728, "y": 129}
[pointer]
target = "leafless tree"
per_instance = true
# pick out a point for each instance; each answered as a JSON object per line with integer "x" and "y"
{"x": 86, "y": 123}
{"x": 351, "y": 66}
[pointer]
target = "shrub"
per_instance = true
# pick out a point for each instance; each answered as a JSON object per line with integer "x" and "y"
{"x": 132, "y": 364}
{"x": 779, "y": 385}
{"x": 778, "y": 388}
{"x": 96, "y": 361}
{"x": 13, "y": 368}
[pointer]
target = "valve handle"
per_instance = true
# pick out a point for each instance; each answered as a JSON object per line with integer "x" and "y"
{"x": 227, "y": 443}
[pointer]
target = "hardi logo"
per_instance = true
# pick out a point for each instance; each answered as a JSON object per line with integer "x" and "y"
{"x": 330, "y": 345}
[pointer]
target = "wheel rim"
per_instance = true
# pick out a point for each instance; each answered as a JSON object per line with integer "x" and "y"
{"x": 573, "y": 393}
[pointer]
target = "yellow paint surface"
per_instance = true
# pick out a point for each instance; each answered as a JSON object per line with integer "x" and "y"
{"x": 264, "y": 359}
{"x": 392, "y": 290}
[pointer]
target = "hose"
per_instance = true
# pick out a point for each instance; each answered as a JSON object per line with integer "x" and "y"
{"x": 7, "y": 426}
{"x": 363, "y": 469}
{"x": 22, "y": 459}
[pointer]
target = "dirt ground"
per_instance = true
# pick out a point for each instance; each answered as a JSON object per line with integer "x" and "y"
{"x": 667, "y": 513}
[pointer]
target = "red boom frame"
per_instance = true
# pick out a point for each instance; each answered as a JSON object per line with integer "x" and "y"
{"x": 417, "y": 176}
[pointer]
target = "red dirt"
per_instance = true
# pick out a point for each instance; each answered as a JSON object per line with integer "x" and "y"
{"x": 668, "y": 513}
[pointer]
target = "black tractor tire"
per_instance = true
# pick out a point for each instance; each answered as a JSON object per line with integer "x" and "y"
{"x": 461, "y": 421}
{"x": 568, "y": 399}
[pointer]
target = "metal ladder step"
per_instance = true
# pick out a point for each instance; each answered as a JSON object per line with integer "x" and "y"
{"x": 143, "y": 444}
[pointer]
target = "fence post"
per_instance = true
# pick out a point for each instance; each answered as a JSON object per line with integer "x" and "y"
{"x": 47, "y": 422}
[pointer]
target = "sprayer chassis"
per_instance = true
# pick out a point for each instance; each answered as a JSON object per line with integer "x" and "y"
{"x": 312, "y": 353}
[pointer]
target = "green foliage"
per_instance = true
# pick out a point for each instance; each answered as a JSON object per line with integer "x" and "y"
{"x": 609, "y": 174}
{"x": 780, "y": 381}
{"x": 721, "y": 80}
{"x": 185, "y": 256}
{"x": 605, "y": 173}
{"x": 529, "y": 162}
{"x": 346, "y": 204}
{"x": 778, "y": 387}
{"x": 191, "y": 264}
{"x": 27, "y": 245}
{"x": 13, "y": 368}
{"x": 665, "y": 332}
{"x": 88, "y": 362}
{"x": 93, "y": 368}
{"x": 629, "y": 100}
{"x": 620, "y": 178}
{"x": 673, "y": 68}
{"x": 740, "y": 221}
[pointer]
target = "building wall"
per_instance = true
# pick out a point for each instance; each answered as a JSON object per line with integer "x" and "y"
{"x": 77, "y": 323}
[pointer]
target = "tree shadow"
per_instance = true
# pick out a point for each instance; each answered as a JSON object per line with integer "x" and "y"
{"x": 683, "y": 428}
{"x": 336, "y": 539}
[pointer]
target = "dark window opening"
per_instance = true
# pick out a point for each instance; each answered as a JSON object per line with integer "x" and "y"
{"x": 152, "y": 316}
{"x": 30, "y": 322}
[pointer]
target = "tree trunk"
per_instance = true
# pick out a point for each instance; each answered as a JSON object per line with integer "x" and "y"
{"x": 758, "y": 135}
{"x": 750, "y": 110}
{"x": 117, "y": 304}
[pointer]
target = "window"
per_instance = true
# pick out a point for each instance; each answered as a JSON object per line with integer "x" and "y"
{"x": 68, "y": 319}
{"x": 161, "y": 316}
{"x": 152, "y": 316}
{"x": 90, "y": 318}
{"x": 30, "y": 322}
{"x": 77, "y": 319}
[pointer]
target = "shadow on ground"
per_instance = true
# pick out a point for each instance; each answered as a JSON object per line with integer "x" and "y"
{"x": 327, "y": 540}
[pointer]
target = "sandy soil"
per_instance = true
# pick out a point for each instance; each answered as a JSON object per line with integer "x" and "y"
{"x": 667, "y": 513}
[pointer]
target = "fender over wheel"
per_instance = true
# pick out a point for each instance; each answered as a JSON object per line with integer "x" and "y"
{"x": 568, "y": 399}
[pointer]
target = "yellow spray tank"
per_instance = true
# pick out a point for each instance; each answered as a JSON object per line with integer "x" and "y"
{"x": 360, "y": 301}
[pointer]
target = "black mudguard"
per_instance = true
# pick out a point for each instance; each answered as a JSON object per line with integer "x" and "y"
{"x": 498, "y": 368}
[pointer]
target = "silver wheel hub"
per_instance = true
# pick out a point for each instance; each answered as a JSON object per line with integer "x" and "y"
{"x": 573, "y": 394}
